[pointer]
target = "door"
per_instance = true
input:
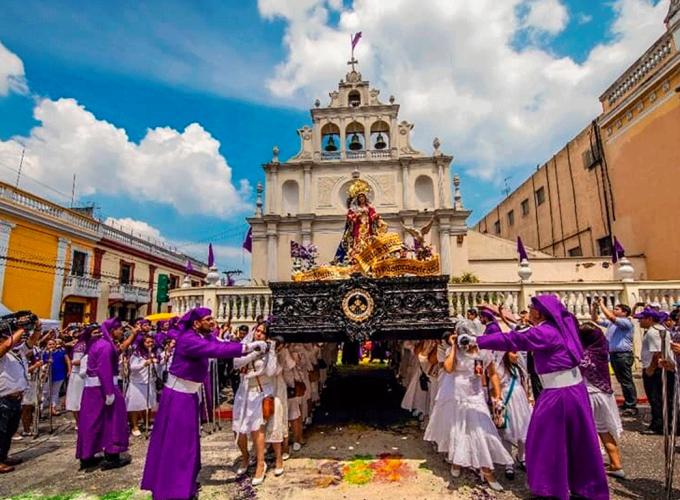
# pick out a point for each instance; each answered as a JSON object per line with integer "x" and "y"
{"x": 73, "y": 313}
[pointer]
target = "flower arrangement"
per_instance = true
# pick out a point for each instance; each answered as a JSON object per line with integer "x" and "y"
{"x": 304, "y": 257}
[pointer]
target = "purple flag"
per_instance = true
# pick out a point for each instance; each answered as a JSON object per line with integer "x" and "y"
{"x": 230, "y": 280}
{"x": 521, "y": 250}
{"x": 248, "y": 242}
{"x": 189, "y": 269}
{"x": 355, "y": 39}
{"x": 618, "y": 251}
{"x": 211, "y": 256}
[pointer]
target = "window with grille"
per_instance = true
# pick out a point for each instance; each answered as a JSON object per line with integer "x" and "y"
{"x": 78, "y": 263}
{"x": 525, "y": 207}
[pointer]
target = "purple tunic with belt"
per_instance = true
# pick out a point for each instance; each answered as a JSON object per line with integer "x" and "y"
{"x": 102, "y": 427}
{"x": 562, "y": 449}
{"x": 174, "y": 456}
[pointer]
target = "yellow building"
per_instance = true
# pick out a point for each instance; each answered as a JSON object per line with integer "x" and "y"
{"x": 63, "y": 264}
{"x": 617, "y": 177}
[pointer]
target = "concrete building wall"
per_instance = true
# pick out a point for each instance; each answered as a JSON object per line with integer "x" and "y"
{"x": 561, "y": 208}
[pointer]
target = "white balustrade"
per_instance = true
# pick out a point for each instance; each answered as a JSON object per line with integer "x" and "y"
{"x": 245, "y": 304}
{"x": 80, "y": 286}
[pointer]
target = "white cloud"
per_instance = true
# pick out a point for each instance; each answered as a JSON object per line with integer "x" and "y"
{"x": 455, "y": 69}
{"x": 583, "y": 18}
{"x": 549, "y": 16}
{"x": 136, "y": 227}
{"x": 184, "y": 169}
{"x": 12, "y": 78}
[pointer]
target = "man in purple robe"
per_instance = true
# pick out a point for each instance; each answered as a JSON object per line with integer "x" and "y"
{"x": 562, "y": 450}
{"x": 174, "y": 456}
{"x": 103, "y": 419}
{"x": 489, "y": 322}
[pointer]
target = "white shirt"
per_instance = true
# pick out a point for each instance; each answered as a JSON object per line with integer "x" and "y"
{"x": 651, "y": 344}
{"x": 14, "y": 371}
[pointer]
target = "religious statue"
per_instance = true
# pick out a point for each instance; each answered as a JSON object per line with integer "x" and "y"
{"x": 362, "y": 225}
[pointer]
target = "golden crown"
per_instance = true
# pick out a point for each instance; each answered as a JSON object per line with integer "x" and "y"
{"x": 359, "y": 186}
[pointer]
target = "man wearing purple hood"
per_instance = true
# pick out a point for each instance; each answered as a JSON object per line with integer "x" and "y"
{"x": 562, "y": 450}
{"x": 489, "y": 322}
{"x": 103, "y": 419}
{"x": 174, "y": 457}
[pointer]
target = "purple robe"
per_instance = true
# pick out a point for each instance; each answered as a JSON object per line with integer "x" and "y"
{"x": 102, "y": 427}
{"x": 174, "y": 456}
{"x": 492, "y": 327}
{"x": 562, "y": 449}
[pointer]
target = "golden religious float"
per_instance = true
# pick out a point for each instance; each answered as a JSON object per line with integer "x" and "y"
{"x": 376, "y": 288}
{"x": 367, "y": 247}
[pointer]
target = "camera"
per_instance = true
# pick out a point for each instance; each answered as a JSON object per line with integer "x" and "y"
{"x": 463, "y": 341}
{"x": 20, "y": 319}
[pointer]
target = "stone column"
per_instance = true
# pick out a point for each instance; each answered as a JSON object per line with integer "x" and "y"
{"x": 273, "y": 190}
{"x": 440, "y": 184}
{"x": 406, "y": 185}
{"x": 272, "y": 253}
{"x": 342, "y": 147}
{"x": 5, "y": 232}
{"x": 307, "y": 188}
{"x": 58, "y": 285}
{"x": 445, "y": 246}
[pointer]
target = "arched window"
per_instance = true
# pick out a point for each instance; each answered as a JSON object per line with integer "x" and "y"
{"x": 330, "y": 138}
{"x": 424, "y": 188}
{"x": 354, "y": 135}
{"x": 290, "y": 198}
{"x": 354, "y": 99}
{"x": 380, "y": 136}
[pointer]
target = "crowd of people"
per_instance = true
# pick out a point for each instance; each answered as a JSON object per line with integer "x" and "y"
{"x": 497, "y": 390}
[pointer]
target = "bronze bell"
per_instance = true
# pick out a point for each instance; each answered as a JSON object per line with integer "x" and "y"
{"x": 380, "y": 142}
{"x": 330, "y": 145}
{"x": 355, "y": 144}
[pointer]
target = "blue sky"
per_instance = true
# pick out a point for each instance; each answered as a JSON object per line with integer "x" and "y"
{"x": 247, "y": 73}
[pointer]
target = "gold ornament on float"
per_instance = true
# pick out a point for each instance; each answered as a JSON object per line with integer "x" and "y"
{"x": 358, "y": 305}
{"x": 360, "y": 186}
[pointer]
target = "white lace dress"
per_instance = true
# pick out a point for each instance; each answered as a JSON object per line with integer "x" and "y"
{"x": 76, "y": 383}
{"x": 473, "y": 439}
{"x": 141, "y": 391}
{"x": 605, "y": 411}
{"x": 438, "y": 429}
{"x": 416, "y": 399}
{"x": 247, "y": 410}
{"x": 518, "y": 409}
{"x": 277, "y": 427}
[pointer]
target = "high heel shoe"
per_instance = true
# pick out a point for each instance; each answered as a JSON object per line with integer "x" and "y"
{"x": 259, "y": 480}
{"x": 278, "y": 472}
{"x": 455, "y": 472}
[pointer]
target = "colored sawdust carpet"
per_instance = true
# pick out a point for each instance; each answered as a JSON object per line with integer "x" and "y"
{"x": 386, "y": 469}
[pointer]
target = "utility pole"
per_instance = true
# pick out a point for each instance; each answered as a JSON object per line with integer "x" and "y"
{"x": 73, "y": 190}
{"x": 20, "y": 165}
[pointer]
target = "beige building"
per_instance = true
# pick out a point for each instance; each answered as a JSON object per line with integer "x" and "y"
{"x": 618, "y": 177}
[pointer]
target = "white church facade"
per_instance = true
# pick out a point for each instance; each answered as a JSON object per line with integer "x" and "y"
{"x": 355, "y": 137}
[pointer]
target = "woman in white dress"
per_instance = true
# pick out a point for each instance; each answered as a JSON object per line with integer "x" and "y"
{"x": 76, "y": 379}
{"x": 295, "y": 375}
{"x": 140, "y": 396}
{"x": 438, "y": 428}
{"x": 595, "y": 370}
{"x": 276, "y": 430}
{"x": 517, "y": 408}
{"x": 474, "y": 441}
{"x": 258, "y": 370}
{"x": 416, "y": 399}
